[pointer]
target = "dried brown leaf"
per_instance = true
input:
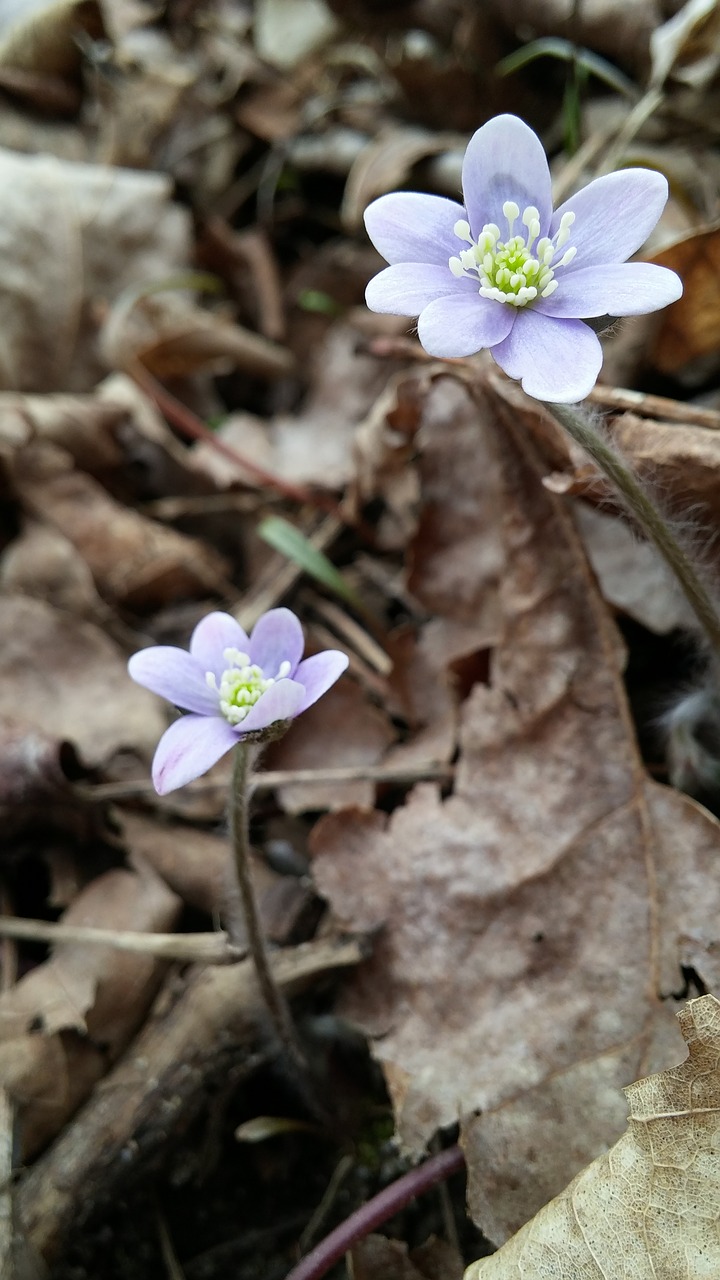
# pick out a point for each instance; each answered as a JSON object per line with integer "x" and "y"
{"x": 650, "y": 1207}
{"x": 343, "y": 728}
{"x": 68, "y": 679}
{"x": 690, "y": 328}
{"x": 97, "y": 991}
{"x": 134, "y": 561}
{"x": 534, "y": 919}
{"x": 175, "y": 338}
{"x": 384, "y": 164}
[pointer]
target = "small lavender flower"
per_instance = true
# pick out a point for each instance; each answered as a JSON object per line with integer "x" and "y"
{"x": 501, "y": 272}
{"x": 233, "y": 685}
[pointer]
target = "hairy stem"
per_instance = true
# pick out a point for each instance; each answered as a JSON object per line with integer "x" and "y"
{"x": 648, "y": 517}
{"x": 371, "y": 1215}
{"x": 275, "y": 1001}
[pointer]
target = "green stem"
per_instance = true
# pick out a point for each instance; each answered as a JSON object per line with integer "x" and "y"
{"x": 648, "y": 517}
{"x": 272, "y": 994}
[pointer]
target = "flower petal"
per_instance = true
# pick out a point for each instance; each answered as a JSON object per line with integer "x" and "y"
{"x": 174, "y": 674}
{"x": 403, "y": 290}
{"x": 318, "y": 673}
{"x": 282, "y": 701}
{"x": 407, "y": 226}
{"x": 276, "y": 638}
{"x": 191, "y": 746}
{"x": 614, "y": 215}
{"x": 212, "y": 636}
{"x": 616, "y": 289}
{"x": 459, "y": 325}
{"x": 556, "y": 360}
{"x": 505, "y": 160}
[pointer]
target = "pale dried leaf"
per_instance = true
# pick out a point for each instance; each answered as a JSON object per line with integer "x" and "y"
{"x": 42, "y": 35}
{"x": 110, "y": 229}
{"x": 632, "y": 575}
{"x": 286, "y": 31}
{"x": 650, "y": 1207}
{"x": 687, "y": 45}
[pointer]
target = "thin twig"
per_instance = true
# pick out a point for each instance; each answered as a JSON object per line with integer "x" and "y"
{"x": 371, "y": 1215}
{"x": 269, "y": 780}
{"x": 201, "y": 948}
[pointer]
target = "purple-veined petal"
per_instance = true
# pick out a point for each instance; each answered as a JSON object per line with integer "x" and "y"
{"x": 276, "y": 638}
{"x": 505, "y": 160}
{"x": 403, "y": 290}
{"x": 618, "y": 289}
{"x": 191, "y": 746}
{"x": 175, "y": 675}
{"x": 318, "y": 673}
{"x": 212, "y": 636}
{"x": 556, "y": 360}
{"x": 407, "y": 226}
{"x": 461, "y": 325}
{"x": 614, "y": 215}
{"x": 282, "y": 701}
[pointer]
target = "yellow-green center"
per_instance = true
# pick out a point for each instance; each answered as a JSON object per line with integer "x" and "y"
{"x": 514, "y": 270}
{"x": 242, "y": 684}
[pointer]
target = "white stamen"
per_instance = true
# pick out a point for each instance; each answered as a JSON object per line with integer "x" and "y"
{"x": 462, "y": 230}
{"x": 512, "y": 212}
{"x": 456, "y": 267}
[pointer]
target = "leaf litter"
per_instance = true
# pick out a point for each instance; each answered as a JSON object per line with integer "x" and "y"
{"x": 483, "y": 796}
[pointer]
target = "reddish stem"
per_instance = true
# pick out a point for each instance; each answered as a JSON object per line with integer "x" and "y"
{"x": 193, "y": 428}
{"x": 371, "y": 1215}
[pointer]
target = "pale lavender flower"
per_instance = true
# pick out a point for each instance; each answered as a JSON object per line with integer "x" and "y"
{"x": 506, "y": 273}
{"x": 233, "y": 685}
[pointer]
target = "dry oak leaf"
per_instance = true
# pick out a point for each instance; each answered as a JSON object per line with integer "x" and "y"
{"x": 531, "y": 927}
{"x": 650, "y": 1208}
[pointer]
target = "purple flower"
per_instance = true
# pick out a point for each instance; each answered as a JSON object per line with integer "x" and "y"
{"x": 233, "y": 685}
{"x": 507, "y": 273}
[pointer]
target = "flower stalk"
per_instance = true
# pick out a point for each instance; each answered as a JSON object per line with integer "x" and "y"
{"x": 610, "y": 462}
{"x": 275, "y": 1001}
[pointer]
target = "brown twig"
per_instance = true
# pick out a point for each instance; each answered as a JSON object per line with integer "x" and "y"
{"x": 202, "y": 948}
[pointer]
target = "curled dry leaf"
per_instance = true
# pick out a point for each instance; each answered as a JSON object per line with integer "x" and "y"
{"x": 98, "y": 992}
{"x": 110, "y": 229}
{"x": 384, "y": 164}
{"x": 134, "y": 561}
{"x": 535, "y": 921}
{"x": 43, "y": 36}
{"x": 35, "y": 783}
{"x": 68, "y": 679}
{"x": 690, "y": 328}
{"x": 650, "y": 1207}
{"x": 173, "y": 337}
{"x": 43, "y": 563}
{"x": 686, "y": 46}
